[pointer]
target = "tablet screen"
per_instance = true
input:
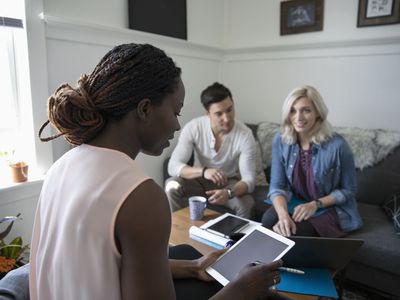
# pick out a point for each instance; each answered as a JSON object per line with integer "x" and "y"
{"x": 260, "y": 244}
{"x": 228, "y": 226}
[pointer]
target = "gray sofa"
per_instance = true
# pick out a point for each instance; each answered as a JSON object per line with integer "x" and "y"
{"x": 377, "y": 156}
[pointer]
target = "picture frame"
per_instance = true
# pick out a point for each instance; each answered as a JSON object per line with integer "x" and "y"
{"x": 378, "y": 12}
{"x": 299, "y": 16}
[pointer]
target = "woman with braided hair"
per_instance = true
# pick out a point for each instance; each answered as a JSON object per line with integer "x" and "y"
{"x": 102, "y": 225}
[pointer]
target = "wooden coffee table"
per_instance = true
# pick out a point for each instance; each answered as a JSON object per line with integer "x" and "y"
{"x": 181, "y": 223}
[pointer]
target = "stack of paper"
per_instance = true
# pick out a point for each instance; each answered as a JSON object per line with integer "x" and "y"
{"x": 207, "y": 237}
{"x": 216, "y": 241}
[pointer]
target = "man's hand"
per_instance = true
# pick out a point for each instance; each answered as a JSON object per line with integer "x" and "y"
{"x": 285, "y": 226}
{"x": 304, "y": 211}
{"x": 219, "y": 197}
{"x": 217, "y": 176}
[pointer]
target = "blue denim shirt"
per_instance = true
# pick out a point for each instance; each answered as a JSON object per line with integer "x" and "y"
{"x": 334, "y": 173}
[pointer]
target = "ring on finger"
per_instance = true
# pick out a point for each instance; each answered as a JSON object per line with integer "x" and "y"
{"x": 273, "y": 287}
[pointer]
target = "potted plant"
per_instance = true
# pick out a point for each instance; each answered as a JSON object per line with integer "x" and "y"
{"x": 10, "y": 253}
{"x": 19, "y": 168}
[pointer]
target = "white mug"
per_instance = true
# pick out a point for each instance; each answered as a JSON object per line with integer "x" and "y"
{"x": 197, "y": 205}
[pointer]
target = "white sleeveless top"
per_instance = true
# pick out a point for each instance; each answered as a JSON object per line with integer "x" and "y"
{"x": 73, "y": 250}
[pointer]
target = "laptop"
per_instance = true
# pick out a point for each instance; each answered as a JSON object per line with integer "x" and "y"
{"x": 320, "y": 252}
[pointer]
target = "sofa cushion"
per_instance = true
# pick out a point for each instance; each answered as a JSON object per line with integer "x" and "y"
{"x": 381, "y": 247}
{"x": 259, "y": 195}
{"x": 260, "y": 175}
{"x": 265, "y": 134}
{"x": 377, "y": 183}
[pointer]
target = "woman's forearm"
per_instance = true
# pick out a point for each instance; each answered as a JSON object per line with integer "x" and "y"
{"x": 327, "y": 201}
{"x": 183, "y": 268}
{"x": 280, "y": 206}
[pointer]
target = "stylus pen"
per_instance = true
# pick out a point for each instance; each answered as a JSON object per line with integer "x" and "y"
{"x": 290, "y": 270}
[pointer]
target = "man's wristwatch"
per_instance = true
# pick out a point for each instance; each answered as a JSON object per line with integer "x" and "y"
{"x": 319, "y": 203}
{"x": 203, "y": 172}
{"x": 231, "y": 193}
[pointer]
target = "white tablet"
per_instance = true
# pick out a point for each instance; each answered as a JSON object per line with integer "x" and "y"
{"x": 260, "y": 244}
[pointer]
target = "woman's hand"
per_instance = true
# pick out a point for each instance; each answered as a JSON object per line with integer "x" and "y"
{"x": 205, "y": 261}
{"x": 285, "y": 226}
{"x": 217, "y": 176}
{"x": 219, "y": 197}
{"x": 304, "y": 211}
{"x": 258, "y": 279}
{"x": 252, "y": 282}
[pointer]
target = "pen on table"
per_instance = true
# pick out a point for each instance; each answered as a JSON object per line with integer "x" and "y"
{"x": 289, "y": 270}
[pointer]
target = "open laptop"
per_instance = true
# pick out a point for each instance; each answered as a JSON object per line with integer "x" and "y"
{"x": 319, "y": 252}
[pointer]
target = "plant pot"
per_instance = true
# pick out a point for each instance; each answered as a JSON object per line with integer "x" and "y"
{"x": 19, "y": 171}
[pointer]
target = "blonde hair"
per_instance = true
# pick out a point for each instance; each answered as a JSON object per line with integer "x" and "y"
{"x": 322, "y": 129}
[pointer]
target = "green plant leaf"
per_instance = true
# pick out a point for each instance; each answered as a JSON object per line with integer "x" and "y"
{"x": 13, "y": 249}
{"x": 17, "y": 243}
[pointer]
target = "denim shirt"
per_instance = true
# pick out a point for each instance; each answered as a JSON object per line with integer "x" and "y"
{"x": 334, "y": 173}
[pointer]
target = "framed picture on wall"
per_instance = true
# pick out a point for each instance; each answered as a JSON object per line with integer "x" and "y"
{"x": 298, "y": 16}
{"x": 378, "y": 12}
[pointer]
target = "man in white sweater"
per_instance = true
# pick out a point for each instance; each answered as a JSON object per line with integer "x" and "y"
{"x": 224, "y": 167}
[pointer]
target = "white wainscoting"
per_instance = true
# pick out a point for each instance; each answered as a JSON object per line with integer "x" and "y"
{"x": 20, "y": 198}
{"x": 358, "y": 80}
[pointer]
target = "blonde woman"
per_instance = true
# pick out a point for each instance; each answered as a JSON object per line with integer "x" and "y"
{"x": 313, "y": 178}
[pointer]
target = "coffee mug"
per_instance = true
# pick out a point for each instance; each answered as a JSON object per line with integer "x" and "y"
{"x": 197, "y": 205}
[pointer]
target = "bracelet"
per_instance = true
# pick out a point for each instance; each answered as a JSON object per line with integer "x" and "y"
{"x": 231, "y": 193}
{"x": 203, "y": 172}
{"x": 319, "y": 203}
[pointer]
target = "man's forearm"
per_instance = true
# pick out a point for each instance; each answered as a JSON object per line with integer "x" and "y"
{"x": 189, "y": 172}
{"x": 240, "y": 188}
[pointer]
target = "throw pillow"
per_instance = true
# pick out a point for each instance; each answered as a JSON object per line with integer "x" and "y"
{"x": 392, "y": 209}
{"x": 260, "y": 175}
{"x": 265, "y": 135}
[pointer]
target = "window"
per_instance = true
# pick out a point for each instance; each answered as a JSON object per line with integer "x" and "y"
{"x": 9, "y": 117}
{"x": 16, "y": 127}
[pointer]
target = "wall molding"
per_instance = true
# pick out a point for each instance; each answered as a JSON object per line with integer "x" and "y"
{"x": 357, "y": 48}
{"x": 67, "y": 29}
{"x": 100, "y": 35}
{"x": 319, "y": 45}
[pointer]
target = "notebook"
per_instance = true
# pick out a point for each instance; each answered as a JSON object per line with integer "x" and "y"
{"x": 315, "y": 281}
{"x": 319, "y": 252}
